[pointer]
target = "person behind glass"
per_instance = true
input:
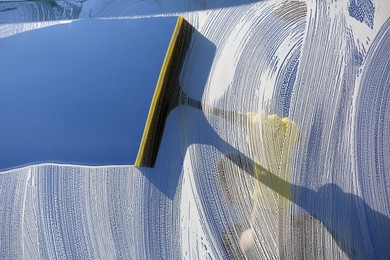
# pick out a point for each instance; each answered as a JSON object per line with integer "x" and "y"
{"x": 271, "y": 140}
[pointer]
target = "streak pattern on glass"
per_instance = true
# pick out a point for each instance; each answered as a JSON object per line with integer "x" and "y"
{"x": 321, "y": 64}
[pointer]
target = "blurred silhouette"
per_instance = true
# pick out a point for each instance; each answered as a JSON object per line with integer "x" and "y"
{"x": 359, "y": 230}
{"x": 271, "y": 140}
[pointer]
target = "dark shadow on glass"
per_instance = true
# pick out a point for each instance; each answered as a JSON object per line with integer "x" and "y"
{"x": 359, "y": 230}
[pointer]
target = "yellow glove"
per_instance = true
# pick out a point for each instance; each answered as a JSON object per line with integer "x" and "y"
{"x": 271, "y": 140}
